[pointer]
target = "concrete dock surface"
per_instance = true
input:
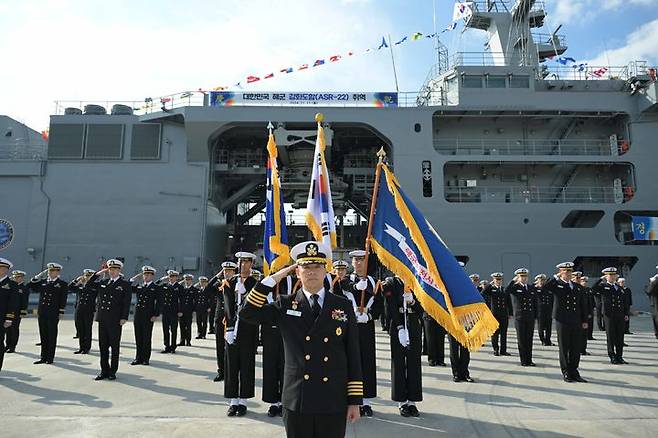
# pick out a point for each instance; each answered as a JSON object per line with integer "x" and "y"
{"x": 176, "y": 397}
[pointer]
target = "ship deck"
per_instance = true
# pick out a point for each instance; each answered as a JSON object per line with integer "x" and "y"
{"x": 175, "y": 396}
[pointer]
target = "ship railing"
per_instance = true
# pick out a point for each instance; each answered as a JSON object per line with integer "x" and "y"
{"x": 528, "y": 195}
{"x": 467, "y": 146}
{"x": 557, "y": 40}
{"x": 484, "y": 59}
{"x": 23, "y": 152}
{"x": 584, "y": 72}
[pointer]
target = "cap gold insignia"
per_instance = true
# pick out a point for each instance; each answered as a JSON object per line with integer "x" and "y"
{"x": 312, "y": 250}
{"x": 339, "y": 331}
{"x": 294, "y": 305}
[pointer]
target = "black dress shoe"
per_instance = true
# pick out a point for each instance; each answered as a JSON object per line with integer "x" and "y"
{"x": 622, "y": 361}
{"x": 413, "y": 410}
{"x": 441, "y": 364}
{"x": 468, "y": 379}
{"x": 577, "y": 378}
{"x": 367, "y": 411}
{"x": 280, "y": 413}
{"x": 585, "y": 353}
{"x": 77, "y": 352}
{"x": 591, "y": 339}
{"x": 49, "y": 362}
{"x": 495, "y": 353}
{"x": 567, "y": 379}
{"x": 232, "y": 411}
{"x": 505, "y": 354}
{"x": 211, "y": 332}
{"x": 625, "y": 344}
{"x": 628, "y": 333}
{"x": 85, "y": 352}
{"x": 242, "y": 411}
{"x": 198, "y": 337}
{"x": 136, "y": 362}
{"x": 549, "y": 344}
{"x": 614, "y": 361}
{"x": 165, "y": 351}
{"x": 219, "y": 377}
{"x": 38, "y": 344}
{"x": 39, "y": 362}
{"x": 273, "y": 411}
{"x": 456, "y": 379}
{"x": 10, "y": 350}
{"x": 404, "y": 411}
{"x": 189, "y": 344}
{"x": 100, "y": 377}
{"x": 432, "y": 363}
{"x": 172, "y": 351}
{"x": 532, "y": 364}
{"x": 112, "y": 377}
{"x": 146, "y": 362}
{"x": 182, "y": 344}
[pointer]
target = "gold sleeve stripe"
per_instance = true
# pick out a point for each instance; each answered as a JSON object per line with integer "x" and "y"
{"x": 258, "y": 296}
{"x": 9, "y": 315}
{"x": 254, "y": 291}
{"x": 254, "y": 303}
{"x": 355, "y": 382}
{"x": 355, "y": 393}
{"x": 257, "y": 299}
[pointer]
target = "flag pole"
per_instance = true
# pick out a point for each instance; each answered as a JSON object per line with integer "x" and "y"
{"x": 381, "y": 154}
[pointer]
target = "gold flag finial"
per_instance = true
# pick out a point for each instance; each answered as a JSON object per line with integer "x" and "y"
{"x": 319, "y": 117}
{"x": 381, "y": 153}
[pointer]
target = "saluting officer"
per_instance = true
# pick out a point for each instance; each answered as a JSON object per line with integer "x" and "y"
{"x": 241, "y": 339}
{"x": 501, "y": 306}
{"x": 590, "y": 305}
{"x": 524, "y": 304}
{"x": 202, "y": 309}
{"x": 475, "y": 279}
{"x": 188, "y": 304}
{"x": 171, "y": 299}
{"x": 544, "y": 310}
{"x": 322, "y": 385}
{"x": 628, "y": 293}
{"x": 369, "y": 306}
{"x": 52, "y": 303}
{"x": 86, "y": 292}
{"x": 216, "y": 287}
{"x": 114, "y": 296}
{"x": 570, "y": 317}
{"x": 13, "y": 332}
{"x": 147, "y": 310}
{"x": 615, "y": 311}
{"x": 273, "y": 360}
{"x": 406, "y": 345}
{"x": 8, "y": 303}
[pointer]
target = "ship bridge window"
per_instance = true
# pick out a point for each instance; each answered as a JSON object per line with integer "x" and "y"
{"x": 145, "y": 142}
{"x": 471, "y": 81}
{"x": 496, "y": 81}
{"x": 519, "y": 81}
{"x": 104, "y": 141}
{"x": 66, "y": 141}
{"x": 582, "y": 218}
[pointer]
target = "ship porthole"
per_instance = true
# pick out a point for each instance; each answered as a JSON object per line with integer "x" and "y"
{"x": 417, "y": 127}
{"x": 526, "y": 220}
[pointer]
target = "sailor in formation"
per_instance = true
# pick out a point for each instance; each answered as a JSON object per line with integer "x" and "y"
{"x": 8, "y": 303}
{"x": 202, "y": 308}
{"x": 524, "y": 304}
{"x": 52, "y": 292}
{"x": 616, "y": 310}
{"x": 501, "y": 307}
{"x": 544, "y": 310}
{"x": 13, "y": 332}
{"x": 147, "y": 309}
{"x": 188, "y": 304}
{"x": 171, "y": 294}
{"x": 215, "y": 288}
{"x": 86, "y": 292}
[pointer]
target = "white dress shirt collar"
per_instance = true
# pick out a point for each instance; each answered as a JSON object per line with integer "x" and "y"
{"x": 320, "y": 295}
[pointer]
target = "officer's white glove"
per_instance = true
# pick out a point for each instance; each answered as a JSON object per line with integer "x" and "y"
{"x": 229, "y": 336}
{"x": 361, "y": 318}
{"x": 408, "y": 297}
{"x": 239, "y": 288}
{"x": 403, "y": 337}
{"x": 362, "y": 285}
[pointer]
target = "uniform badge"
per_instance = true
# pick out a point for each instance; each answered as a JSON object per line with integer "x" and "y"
{"x": 339, "y": 331}
{"x": 6, "y": 286}
{"x": 294, "y": 305}
{"x": 338, "y": 315}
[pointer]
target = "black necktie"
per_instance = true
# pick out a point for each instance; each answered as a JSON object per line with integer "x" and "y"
{"x": 315, "y": 307}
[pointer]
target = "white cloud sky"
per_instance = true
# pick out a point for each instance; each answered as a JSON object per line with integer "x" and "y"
{"x": 641, "y": 45}
{"x": 73, "y": 50}
{"x": 571, "y": 11}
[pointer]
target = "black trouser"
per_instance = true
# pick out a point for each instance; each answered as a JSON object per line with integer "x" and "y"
{"x": 48, "y": 336}
{"x": 436, "y": 337}
{"x": 590, "y": 326}
{"x": 2, "y": 344}
{"x": 84, "y": 322}
{"x": 599, "y": 317}
{"x": 500, "y": 333}
{"x": 525, "y": 330}
{"x": 212, "y": 321}
{"x": 627, "y": 325}
{"x": 169, "y": 328}
{"x": 109, "y": 338}
{"x": 569, "y": 337}
{"x": 272, "y": 364}
{"x": 544, "y": 323}
{"x": 614, "y": 331}
{"x": 185, "y": 322}
{"x": 460, "y": 357}
{"x": 368, "y": 358}
{"x": 220, "y": 345}
{"x": 12, "y": 334}
{"x": 654, "y": 316}
{"x": 201, "y": 322}
{"x": 314, "y": 425}
{"x": 406, "y": 373}
{"x": 240, "y": 362}
{"x": 143, "y": 335}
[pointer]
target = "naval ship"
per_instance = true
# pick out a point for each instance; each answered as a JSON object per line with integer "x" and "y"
{"x": 515, "y": 159}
